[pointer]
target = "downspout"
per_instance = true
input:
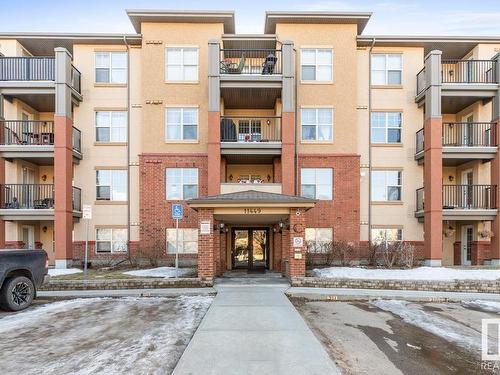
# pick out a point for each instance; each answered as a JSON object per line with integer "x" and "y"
{"x": 128, "y": 143}
{"x": 296, "y": 156}
{"x": 370, "y": 143}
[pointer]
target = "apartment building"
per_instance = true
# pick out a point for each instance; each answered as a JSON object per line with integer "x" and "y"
{"x": 311, "y": 132}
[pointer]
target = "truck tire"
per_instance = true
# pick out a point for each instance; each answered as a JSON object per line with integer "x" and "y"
{"x": 17, "y": 293}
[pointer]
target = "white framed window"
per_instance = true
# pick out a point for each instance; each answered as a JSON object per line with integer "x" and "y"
{"x": 110, "y": 240}
{"x": 111, "y": 185}
{"x": 317, "y": 124}
{"x": 317, "y": 183}
{"x": 318, "y": 240}
{"x": 181, "y": 64}
{"x": 111, "y": 67}
{"x": 316, "y": 64}
{"x": 188, "y": 241}
{"x": 111, "y": 126}
{"x": 387, "y": 68}
{"x": 386, "y": 185}
{"x": 386, "y": 236}
{"x": 386, "y": 127}
{"x": 181, "y": 124}
{"x": 181, "y": 183}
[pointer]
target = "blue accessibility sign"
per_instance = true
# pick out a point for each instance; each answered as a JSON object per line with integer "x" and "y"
{"x": 177, "y": 211}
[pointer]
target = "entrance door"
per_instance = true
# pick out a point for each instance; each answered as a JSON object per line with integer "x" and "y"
{"x": 27, "y": 193}
{"x": 467, "y": 193}
{"x": 250, "y": 248}
{"x": 467, "y": 237}
{"x": 29, "y": 236}
{"x": 468, "y": 131}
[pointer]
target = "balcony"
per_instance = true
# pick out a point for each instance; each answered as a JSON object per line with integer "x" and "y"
{"x": 33, "y": 141}
{"x": 463, "y": 202}
{"x": 250, "y": 135}
{"x": 462, "y": 142}
{"x": 226, "y": 188}
{"x": 22, "y": 77}
{"x": 250, "y": 62}
{"x": 462, "y": 83}
{"x": 32, "y": 202}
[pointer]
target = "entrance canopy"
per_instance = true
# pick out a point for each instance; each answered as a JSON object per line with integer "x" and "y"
{"x": 251, "y": 207}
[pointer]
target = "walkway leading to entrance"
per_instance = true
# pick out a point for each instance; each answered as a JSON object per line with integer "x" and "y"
{"x": 254, "y": 329}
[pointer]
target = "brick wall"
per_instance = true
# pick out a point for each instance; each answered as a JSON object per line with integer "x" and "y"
{"x": 155, "y": 210}
{"x": 341, "y": 214}
{"x": 480, "y": 252}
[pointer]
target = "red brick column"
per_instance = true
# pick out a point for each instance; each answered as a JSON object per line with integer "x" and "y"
{"x": 214, "y": 159}
{"x": 457, "y": 253}
{"x": 433, "y": 181}
{"x": 288, "y": 152}
{"x": 223, "y": 246}
{"x": 206, "y": 243}
{"x": 297, "y": 221}
{"x": 63, "y": 176}
{"x": 495, "y": 180}
{"x": 277, "y": 252}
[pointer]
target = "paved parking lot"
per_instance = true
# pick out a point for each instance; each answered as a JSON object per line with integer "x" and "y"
{"x": 400, "y": 337}
{"x": 130, "y": 335}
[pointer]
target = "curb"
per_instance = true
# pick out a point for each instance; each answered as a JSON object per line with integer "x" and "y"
{"x": 115, "y": 284}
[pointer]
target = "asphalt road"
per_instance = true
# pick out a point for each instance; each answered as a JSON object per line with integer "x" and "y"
{"x": 399, "y": 337}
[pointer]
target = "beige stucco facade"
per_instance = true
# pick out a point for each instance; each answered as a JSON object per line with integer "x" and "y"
{"x": 148, "y": 94}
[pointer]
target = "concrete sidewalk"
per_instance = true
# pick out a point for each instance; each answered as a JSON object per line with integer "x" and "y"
{"x": 253, "y": 329}
{"x": 165, "y": 292}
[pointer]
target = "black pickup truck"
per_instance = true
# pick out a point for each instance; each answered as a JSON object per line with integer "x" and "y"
{"x": 21, "y": 273}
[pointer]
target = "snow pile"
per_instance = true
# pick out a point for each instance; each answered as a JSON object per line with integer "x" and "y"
{"x": 420, "y": 273}
{"x": 490, "y": 306}
{"x": 63, "y": 271}
{"x": 135, "y": 335}
{"x": 163, "y": 272}
{"x": 449, "y": 330}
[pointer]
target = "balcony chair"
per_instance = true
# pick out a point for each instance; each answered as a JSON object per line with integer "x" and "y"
{"x": 228, "y": 67}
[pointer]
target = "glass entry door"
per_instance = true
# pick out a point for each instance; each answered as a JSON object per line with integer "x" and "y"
{"x": 250, "y": 248}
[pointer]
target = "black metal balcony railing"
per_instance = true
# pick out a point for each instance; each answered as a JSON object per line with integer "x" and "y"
{"x": 33, "y": 133}
{"x": 77, "y": 199}
{"x": 469, "y": 134}
{"x": 463, "y": 134}
{"x": 421, "y": 81}
{"x": 419, "y": 140}
{"x": 250, "y": 61}
{"x": 27, "y": 133}
{"x": 77, "y": 140}
{"x": 250, "y": 129}
{"x": 34, "y": 68}
{"x": 33, "y": 196}
{"x": 468, "y": 71}
{"x": 464, "y": 197}
{"x": 76, "y": 79}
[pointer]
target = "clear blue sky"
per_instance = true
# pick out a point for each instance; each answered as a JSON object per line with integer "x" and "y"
{"x": 407, "y": 17}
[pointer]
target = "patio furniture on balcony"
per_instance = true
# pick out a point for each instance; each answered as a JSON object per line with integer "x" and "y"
{"x": 229, "y": 67}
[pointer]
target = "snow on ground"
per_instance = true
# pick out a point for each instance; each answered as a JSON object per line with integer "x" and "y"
{"x": 165, "y": 272}
{"x": 449, "y": 330}
{"x": 490, "y": 306}
{"x": 63, "y": 271}
{"x": 420, "y": 273}
{"x": 134, "y": 335}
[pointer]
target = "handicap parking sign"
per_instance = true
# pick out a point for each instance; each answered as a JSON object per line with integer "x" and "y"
{"x": 177, "y": 211}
